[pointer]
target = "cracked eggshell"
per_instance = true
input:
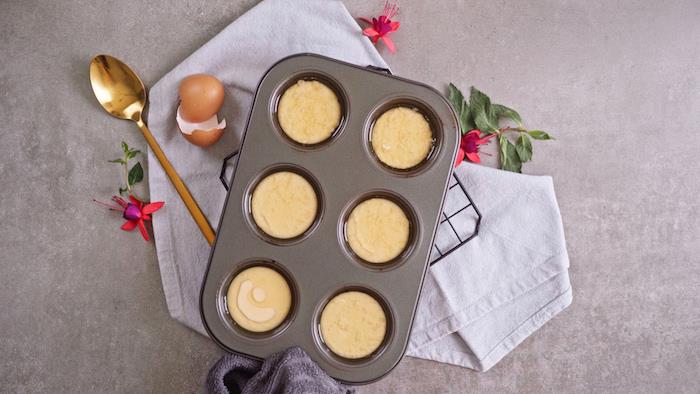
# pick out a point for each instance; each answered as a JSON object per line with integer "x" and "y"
{"x": 201, "y": 97}
{"x": 202, "y": 134}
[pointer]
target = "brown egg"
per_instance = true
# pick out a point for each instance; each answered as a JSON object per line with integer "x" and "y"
{"x": 204, "y": 138}
{"x": 201, "y": 97}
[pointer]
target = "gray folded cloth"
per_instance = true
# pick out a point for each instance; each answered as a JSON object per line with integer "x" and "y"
{"x": 288, "y": 371}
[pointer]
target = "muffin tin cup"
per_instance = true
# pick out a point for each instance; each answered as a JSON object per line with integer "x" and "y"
{"x": 249, "y": 195}
{"x": 343, "y": 362}
{"x": 413, "y": 234}
{"x": 223, "y": 306}
{"x": 310, "y": 75}
{"x": 412, "y": 103}
{"x": 319, "y": 264}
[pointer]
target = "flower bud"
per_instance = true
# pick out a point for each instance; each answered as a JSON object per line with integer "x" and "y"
{"x": 132, "y": 212}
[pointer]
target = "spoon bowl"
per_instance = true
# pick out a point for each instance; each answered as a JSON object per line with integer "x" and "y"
{"x": 118, "y": 89}
{"x": 122, "y": 94}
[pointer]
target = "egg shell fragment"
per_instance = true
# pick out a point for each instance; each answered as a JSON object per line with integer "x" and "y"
{"x": 203, "y": 138}
{"x": 202, "y": 134}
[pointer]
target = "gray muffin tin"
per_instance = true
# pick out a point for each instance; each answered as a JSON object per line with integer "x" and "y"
{"x": 344, "y": 171}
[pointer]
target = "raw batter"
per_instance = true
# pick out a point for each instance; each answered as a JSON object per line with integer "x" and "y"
{"x": 401, "y": 138}
{"x": 353, "y": 324}
{"x": 377, "y": 230}
{"x": 259, "y": 299}
{"x": 308, "y": 112}
{"x": 284, "y": 205}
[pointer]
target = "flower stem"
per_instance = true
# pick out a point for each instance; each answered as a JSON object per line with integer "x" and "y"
{"x": 511, "y": 129}
{"x": 126, "y": 172}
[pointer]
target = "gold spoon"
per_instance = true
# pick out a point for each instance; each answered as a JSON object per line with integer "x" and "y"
{"x": 121, "y": 93}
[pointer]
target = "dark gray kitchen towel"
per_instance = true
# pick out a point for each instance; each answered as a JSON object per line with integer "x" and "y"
{"x": 289, "y": 371}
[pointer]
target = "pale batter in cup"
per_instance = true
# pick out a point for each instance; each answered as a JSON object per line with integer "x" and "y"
{"x": 309, "y": 112}
{"x": 259, "y": 299}
{"x": 402, "y": 138}
{"x": 377, "y": 230}
{"x": 353, "y": 324}
{"x": 284, "y": 204}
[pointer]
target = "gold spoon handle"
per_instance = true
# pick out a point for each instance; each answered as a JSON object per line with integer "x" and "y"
{"x": 180, "y": 186}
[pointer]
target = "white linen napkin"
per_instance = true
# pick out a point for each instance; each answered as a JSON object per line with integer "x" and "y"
{"x": 482, "y": 300}
{"x": 476, "y": 305}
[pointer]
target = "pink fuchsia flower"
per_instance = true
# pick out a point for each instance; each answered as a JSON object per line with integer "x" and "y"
{"x": 383, "y": 25}
{"x": 469, "y": 146}
{"x": 135, "y": 212}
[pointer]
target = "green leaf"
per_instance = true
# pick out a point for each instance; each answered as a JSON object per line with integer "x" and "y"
{"x": 503, "y": 111}
{"x": 479, "y": 99}
{"x": 513, "y": 163}
{"x": 132, "y": 153}
{"x": 481, "y": 112}
{"x": 125, "y": 147}
{"x": 524, "y": 148}
{"x": 461, "y": 108}
{"x": 483, "y": 123}
{"x": 455, "y": 96}
{"x": 492, "y": 117}
{"x": 540, "y": 135}
{"x": 503, "y": 144}
{"x": 466, "y": 120}
{"x": 122, "y": 190}
{"x": 135, "y": 174}
{"x": 119, "y": 161}
{"x": 510, "y": 161}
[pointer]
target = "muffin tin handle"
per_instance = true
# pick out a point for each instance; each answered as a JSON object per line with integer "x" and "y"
{"x": 222, "y": 175}
{"x": 379, "y": 69}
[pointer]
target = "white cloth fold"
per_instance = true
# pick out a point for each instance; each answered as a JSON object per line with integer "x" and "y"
{"x": 476, "y": 305}
{"x": 485, "y": 298}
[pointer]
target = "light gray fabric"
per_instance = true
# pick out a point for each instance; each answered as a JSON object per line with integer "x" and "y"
{"x": 485, "y": 298}
{"x": 476, "y": 305}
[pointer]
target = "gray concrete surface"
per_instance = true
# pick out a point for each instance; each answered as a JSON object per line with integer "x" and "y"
{"x": 617, "y": 82}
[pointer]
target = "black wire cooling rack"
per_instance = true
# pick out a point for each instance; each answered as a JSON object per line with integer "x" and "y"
{"x": 460, "y": 216}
